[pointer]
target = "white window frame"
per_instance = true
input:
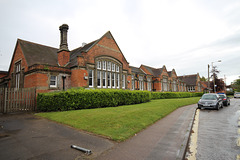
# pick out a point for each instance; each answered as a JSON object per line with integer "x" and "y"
{"x": 123, "y": 81}
{"x": 91, "y": 78}
{"x": 141, "y": 85}
{"x": 104, "y": 79}
{"x": 109, "y": 80}
{"x": 164, "y": 84}
{"x": 149, "y": 84}
{"x": 99, "y": 65}
{"x": 104, "y": 65}
{"x": 17, "y": 72}
{"x": 99, "y": 73}
{"x": 53, "y": 80}
{"x": 109, "y": 65}
{"x": 117, "y": 68}
{"x": 113, "y": 80}
{"x": 117, "y": 80}
{"x": 113, "y": 67}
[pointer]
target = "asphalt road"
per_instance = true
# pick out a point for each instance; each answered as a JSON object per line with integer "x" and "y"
{"x": 218, "y": 133}
{"x": 26, "y": 136}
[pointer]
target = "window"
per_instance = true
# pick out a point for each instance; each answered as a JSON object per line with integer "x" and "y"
{"x": 199, "y": 87}
{"x": 117, "y": 68}
{"x": 191, "y": 89}
{"x": 174, "y": 86}
{"x": 164, "y": 84}
{"x": 113, "y": 80}
{"x": 123, "y": 81}
{"x": 149, "y": 84}
{"x": 141, "y": 85}
{"x": 104, "y": 79}
{"x": 133, "y": 83}
{"x": 109, "y": 66}
{"x": 90, "y": 78}
{"x": 104, "y": 65}
{"x": 99, "y": 78}
{"x": 99, "y": 65}
{"x": 113, "y": 67}
{"x": 18, "y": 71}
{"x": 53, "y": 81}
{"x": 108, "y": 74}
{"x": 117, "y": 80}
{"x": 109, "y": 79}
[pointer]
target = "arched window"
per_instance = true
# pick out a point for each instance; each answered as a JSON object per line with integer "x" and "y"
{"x": 108, "y": 74}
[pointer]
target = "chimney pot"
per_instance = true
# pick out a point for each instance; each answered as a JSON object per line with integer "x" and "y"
{"x": 63, "y": 39}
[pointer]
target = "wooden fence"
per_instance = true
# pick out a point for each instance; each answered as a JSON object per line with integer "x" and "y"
{"x": 17, "y": 100}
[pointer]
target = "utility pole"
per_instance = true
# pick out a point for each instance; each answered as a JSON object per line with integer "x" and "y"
{"x": 208, "y": 79}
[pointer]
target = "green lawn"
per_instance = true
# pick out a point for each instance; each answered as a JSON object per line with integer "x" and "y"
{"x": 119, "y": 123}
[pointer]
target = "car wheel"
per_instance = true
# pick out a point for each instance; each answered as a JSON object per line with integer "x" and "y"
{"x": 217, "y": 107}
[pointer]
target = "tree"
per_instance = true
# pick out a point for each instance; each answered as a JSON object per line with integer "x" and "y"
{"x": 214, "y": 77}
{"x": 203, "y": 79}
{"x": 236, "y": 85}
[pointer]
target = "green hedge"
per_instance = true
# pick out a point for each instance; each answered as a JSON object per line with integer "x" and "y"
{"x": 86, "y": 99}
{"x": 167, "y": 95}
{"x": 74, "y": 99}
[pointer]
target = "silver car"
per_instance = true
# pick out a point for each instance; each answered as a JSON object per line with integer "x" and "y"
{"x": 237, "y": 95}
{"x": 210, "y": 101}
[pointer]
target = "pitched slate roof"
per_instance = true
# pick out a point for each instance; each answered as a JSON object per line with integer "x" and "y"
{"x": 154, "y": 71}
{"x": 169, "y": 73}
{"x": 136, "y": 70}
{"x": 38, "y": 54}
{"x": 78, "y": 52}
{"x": 190, "y": 80}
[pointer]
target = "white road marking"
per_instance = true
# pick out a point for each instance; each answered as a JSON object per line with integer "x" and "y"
{"x": 193, "y": 139}
{"x": 238, "y": 157}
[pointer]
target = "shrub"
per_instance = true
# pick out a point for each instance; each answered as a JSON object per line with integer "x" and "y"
{"x": 86, "y": 99}
{"x": 167, "y": 95}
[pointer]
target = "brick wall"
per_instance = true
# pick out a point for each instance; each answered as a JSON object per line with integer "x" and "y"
{"x": 77, "y": 78}
{"x": 36, "y": 80}
{"x": 63, "y": 57}
{"x": 107, "y": 47}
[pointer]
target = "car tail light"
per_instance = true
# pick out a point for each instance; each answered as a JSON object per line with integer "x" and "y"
{"x": 224, "y": 99}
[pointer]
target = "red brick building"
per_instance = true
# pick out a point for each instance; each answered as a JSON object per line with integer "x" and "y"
{"x": 193, "y": 83}
{"x": 98, "y": 64}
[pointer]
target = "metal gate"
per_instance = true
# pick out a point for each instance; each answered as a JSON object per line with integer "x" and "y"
{"x": 17, "y": 100}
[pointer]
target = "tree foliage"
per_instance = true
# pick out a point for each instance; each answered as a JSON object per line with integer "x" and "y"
{"x": 203, "y": 79}
{"x": 236, "y": 85}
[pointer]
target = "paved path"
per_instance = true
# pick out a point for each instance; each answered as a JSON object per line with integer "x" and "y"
{"x": 166, "y": 139}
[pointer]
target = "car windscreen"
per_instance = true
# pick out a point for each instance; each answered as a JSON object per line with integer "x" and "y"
{"x": 209, "y": 97}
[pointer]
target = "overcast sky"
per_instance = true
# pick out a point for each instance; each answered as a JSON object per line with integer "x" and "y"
{"x": 186, "y": 35}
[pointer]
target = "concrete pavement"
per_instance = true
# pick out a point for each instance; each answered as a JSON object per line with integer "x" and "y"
{"x": 165, "y": 140}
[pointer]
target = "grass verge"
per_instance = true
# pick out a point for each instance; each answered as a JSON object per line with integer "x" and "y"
{"x": 119, "y": 123}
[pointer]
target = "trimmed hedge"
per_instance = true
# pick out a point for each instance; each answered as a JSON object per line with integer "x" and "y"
{"x": 80, "y": 98}
{"x": 86, "y": 99}
{"x": 167, "y": 95}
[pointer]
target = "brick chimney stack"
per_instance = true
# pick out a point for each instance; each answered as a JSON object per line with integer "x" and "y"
{"x": 63, "y": 52}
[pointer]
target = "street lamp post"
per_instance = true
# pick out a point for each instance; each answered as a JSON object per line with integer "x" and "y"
{"x": 214, "y": 89}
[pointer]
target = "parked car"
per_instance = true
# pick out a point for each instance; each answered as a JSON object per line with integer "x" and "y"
{"x": 210, "y": 101}
{"x": 225, "y": 99}
{"x": 237, "y": 95}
